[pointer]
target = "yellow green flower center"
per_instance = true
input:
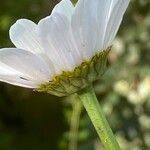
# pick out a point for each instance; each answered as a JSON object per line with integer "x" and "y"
{"x": 69, "y": 82}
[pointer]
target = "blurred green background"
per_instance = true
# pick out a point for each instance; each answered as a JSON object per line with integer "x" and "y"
{"x": 38, "y": 121}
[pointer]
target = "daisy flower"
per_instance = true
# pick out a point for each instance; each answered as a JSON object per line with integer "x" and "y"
{"x": 65, "y": 51}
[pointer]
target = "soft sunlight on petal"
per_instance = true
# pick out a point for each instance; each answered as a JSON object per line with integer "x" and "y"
{"x": 25, "y": 62}
{"x": 65, "y": 7}
{"x": 58, "y": 42}
{"x": 24, "y": 36}
{"x": 116, "y": 16}
{"x": 18, "y": 81}
{"x": 84, "y": 26}
{"x": 11, "y": 76}
{"x": 95, "y": 29}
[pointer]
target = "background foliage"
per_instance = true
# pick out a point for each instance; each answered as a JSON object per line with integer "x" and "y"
{"x": 38, "y": 121}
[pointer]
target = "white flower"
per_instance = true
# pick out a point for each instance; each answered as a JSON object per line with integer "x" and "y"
{"x": 59, "y": 42}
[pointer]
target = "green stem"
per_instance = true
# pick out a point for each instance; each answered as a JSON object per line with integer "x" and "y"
{"x": 74, "y": 2}
{"x": 74, "y": 124}
{"x": 98, "y": 119}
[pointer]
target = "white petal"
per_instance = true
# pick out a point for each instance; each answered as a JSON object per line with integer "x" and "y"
{"x": 23, "y": 35}
{"x": 93, "y": 20}
{"x": 14, "y": 77}
{"x": 103, "y": 16}
{"x": 116, "y": 14}
{"x": 64, "y": 7}
{"x": 18, "y": 81}
{"x": 6, "y": 70}
{"x": 84, "y": 26}
{"x": 58, "y": 42}
{"x": 25, "y": 63}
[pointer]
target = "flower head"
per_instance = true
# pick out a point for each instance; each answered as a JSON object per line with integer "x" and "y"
{"x": 64, "y": 51}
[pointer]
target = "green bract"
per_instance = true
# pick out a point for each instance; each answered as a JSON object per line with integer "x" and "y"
{"x": 69, "y": 82}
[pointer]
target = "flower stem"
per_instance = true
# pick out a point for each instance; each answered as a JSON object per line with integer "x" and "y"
{"x": 74, "y": 123}
{"x": 98, "y": 119}
{"x": 74, "y": 2}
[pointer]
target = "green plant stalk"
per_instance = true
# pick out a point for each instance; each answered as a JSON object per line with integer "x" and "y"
{"x": 98, "y": 119}
{"x": 74, "y": 122}
{"x": 74, "y": 2}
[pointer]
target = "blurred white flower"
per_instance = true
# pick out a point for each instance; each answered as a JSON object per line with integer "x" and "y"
{"x": 142, "y": 93}
{"x": 59, "y": 42}
{"x": 144, "y": 88}
{"x": 117, "y": 50}
{"x": 122, "y": 87}
{"x": 134, "y": 96}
